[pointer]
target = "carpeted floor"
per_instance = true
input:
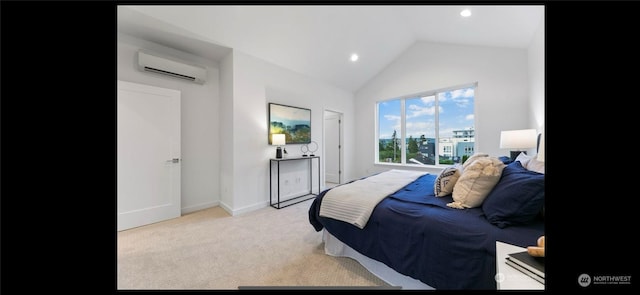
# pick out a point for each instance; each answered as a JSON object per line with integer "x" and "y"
{"x": 209, "y": 249}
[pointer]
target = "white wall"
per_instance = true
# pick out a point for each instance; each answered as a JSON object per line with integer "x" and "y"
{"x": 536, "y": 57}
{"x": 226, "y": 132}
{"x": 255, "y": 84}
{"x": 200, "y": 187}
{"x": 502, "y": 95}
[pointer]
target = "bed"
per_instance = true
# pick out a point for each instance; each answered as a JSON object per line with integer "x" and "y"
{"x": 414, "y": 239}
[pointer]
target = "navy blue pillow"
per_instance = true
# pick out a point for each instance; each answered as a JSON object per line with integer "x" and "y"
{"x": 517, "y": 198}
{"x": 505, "y": 160}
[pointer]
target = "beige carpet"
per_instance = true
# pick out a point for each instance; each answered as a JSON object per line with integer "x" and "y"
{"x": 210, "y": 249}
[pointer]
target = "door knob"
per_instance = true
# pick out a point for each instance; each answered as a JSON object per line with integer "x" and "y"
{"x": 174, "y": 160}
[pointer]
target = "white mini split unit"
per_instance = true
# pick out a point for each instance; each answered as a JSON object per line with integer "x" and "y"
{"x": 149, "y": 62}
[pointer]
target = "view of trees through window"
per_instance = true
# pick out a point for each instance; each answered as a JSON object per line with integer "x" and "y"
{"x": 434, "y": 128}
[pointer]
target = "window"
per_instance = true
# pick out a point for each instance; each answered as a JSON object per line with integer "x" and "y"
{"x": 430, "y": 128}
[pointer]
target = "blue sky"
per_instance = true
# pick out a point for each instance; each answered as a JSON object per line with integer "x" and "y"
{"x": 455, "y": 108}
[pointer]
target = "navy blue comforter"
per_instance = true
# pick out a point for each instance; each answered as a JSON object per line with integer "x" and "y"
{"x": 416, "y": 234}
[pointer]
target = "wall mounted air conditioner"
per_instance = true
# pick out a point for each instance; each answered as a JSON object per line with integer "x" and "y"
{"x": 149, "y": 62}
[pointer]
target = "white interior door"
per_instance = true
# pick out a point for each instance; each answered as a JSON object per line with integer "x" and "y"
{"x": 148, "y": 154}
{"x": 332, "y": 146}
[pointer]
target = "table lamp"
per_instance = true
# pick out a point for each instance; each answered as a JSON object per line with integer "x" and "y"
{"x": 517, "y": 141}
{"x": 278, "y": 140}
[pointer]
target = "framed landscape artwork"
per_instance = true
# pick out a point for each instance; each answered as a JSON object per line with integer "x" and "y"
{"x": 294, "y": 122}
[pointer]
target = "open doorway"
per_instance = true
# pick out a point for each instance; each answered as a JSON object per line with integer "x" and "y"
{"x": 333, "y": 148}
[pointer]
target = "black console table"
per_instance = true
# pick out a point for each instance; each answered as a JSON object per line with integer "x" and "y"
{"x": 281, "y": 204}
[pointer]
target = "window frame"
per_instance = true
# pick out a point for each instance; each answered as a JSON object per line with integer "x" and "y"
{"x": 403, "y": 138}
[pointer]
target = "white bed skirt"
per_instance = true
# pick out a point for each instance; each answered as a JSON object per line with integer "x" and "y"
{"x": 335, "y": 247}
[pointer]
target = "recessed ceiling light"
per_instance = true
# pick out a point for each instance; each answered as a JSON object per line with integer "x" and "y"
{"x": 466, "y": 13}
{"x": 354, "y": 57}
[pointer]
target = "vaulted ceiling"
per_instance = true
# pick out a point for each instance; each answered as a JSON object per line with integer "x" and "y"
{"x": 318, "y": 41}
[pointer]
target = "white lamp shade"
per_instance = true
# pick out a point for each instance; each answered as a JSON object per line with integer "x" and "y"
{"x": 518, "y": 139}
{"x": 278, "y": 139}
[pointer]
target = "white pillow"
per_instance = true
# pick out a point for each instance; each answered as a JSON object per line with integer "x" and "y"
{"x": 524, "y": 159}
{"x": 531, "y": 163}
{"x": 535, "y": 165}
{"x": 476, "y": 181}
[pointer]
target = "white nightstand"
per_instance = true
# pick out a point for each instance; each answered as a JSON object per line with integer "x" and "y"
{"x": 509, "y": 278}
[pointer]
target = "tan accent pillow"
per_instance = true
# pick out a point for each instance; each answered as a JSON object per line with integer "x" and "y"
{"x": 476, "y": 181}
{"x": 473, "y": 157}
{"x": 446, "y": 180}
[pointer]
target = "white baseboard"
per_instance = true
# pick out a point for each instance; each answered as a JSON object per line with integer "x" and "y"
{"x": 198, "y": 207}
{"x": 235, "y": 212}
{"x": 226, "y": 208}
{"x": 248, "y": 208}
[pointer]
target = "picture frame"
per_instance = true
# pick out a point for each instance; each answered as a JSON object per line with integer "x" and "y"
{"x": 294, "y": 122}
